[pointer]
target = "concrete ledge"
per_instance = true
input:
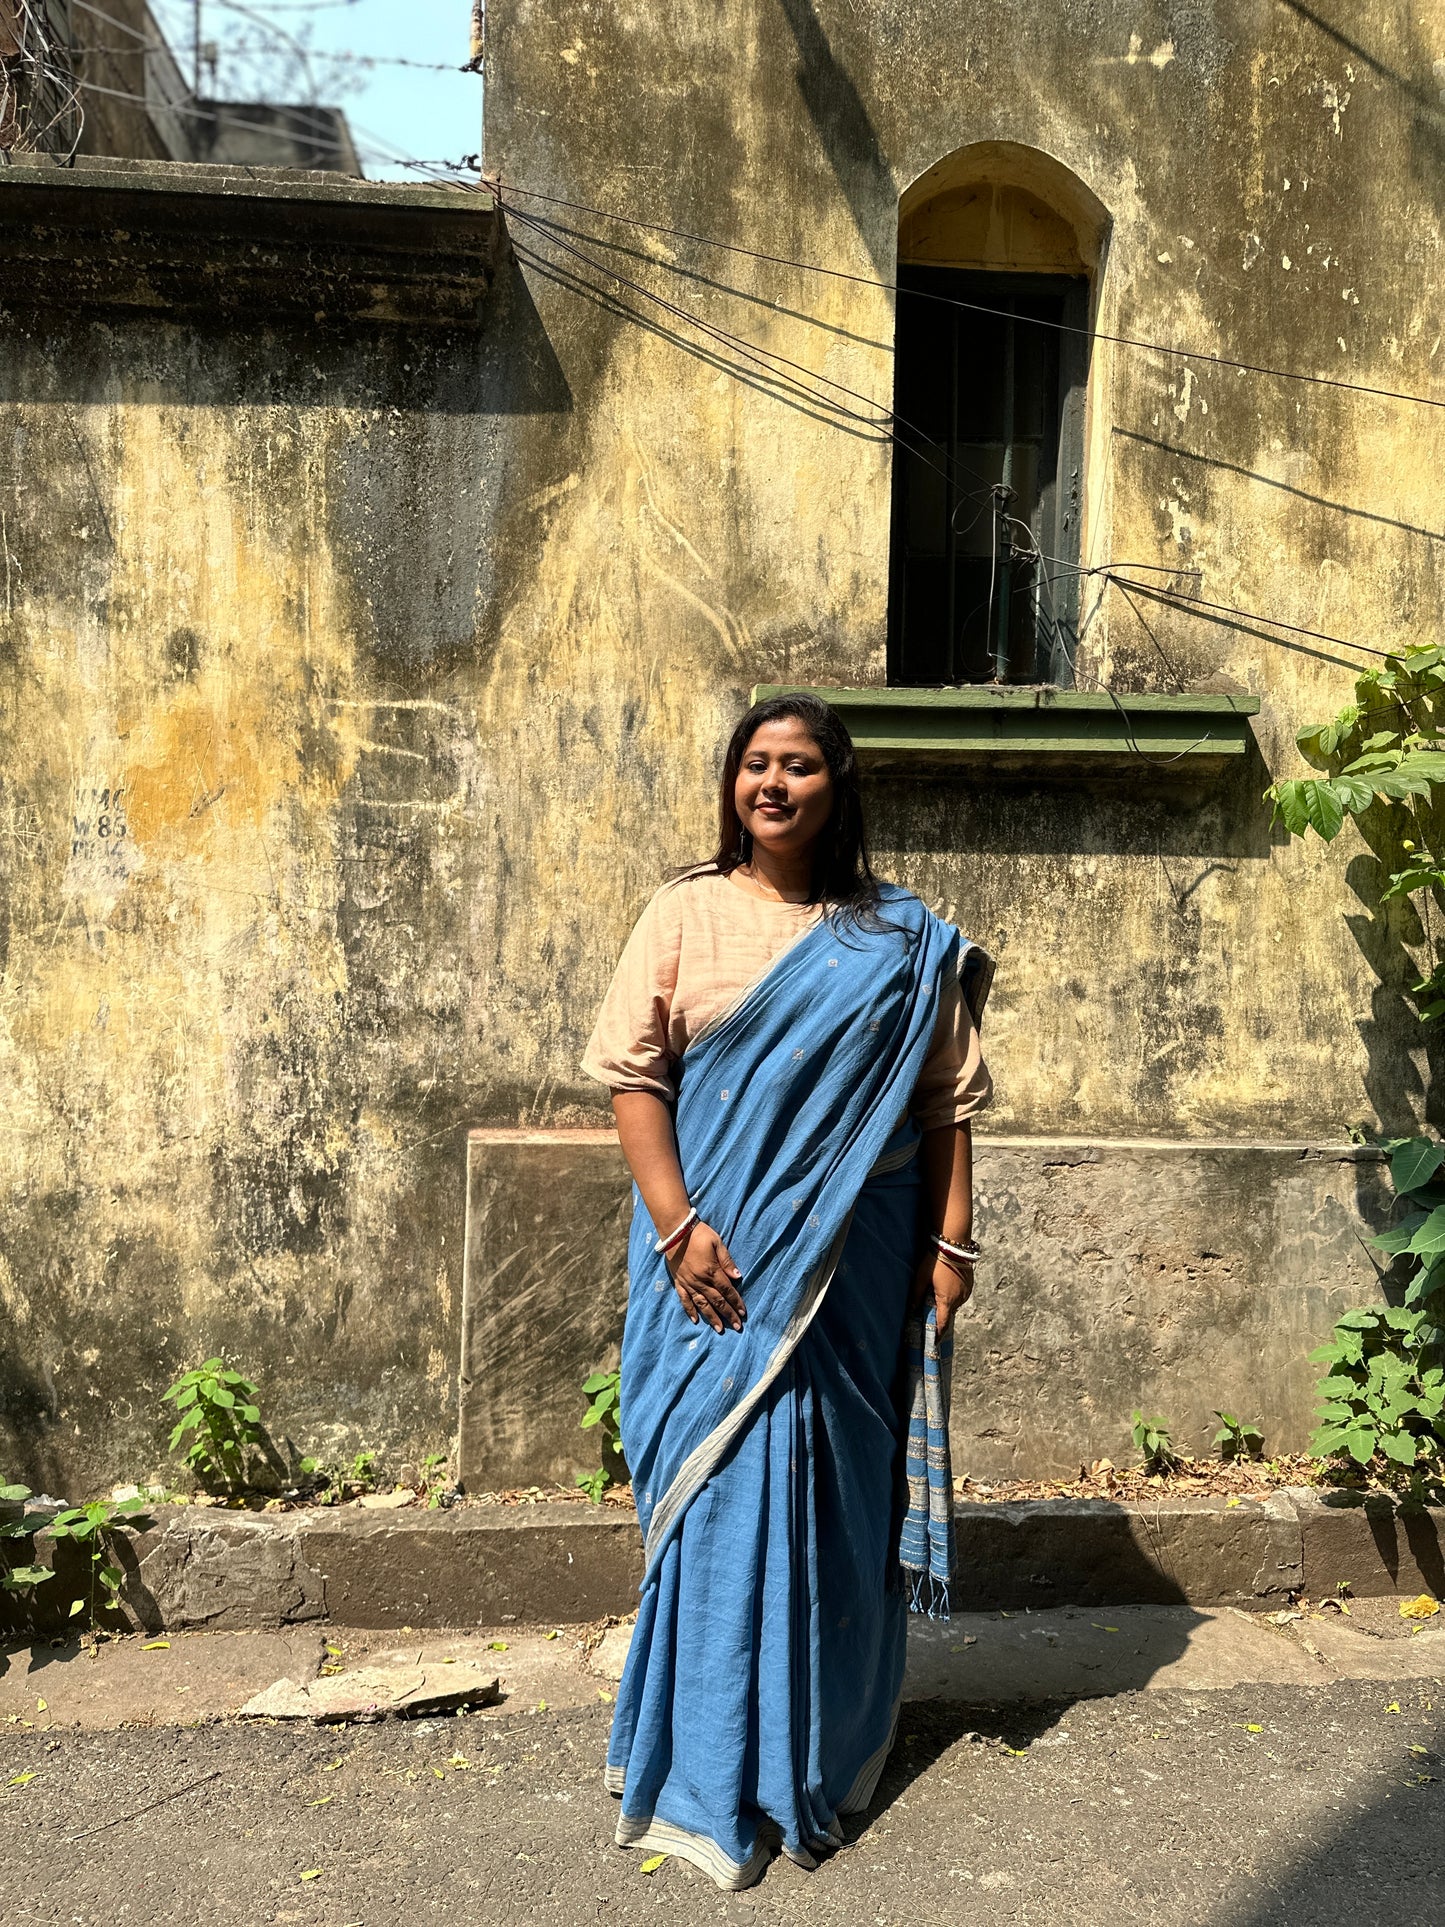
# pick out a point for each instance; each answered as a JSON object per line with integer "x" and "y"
{"x": 1089, "y": 1552}
{"x": 176, "y": 239}
{"x": 1373, "y": 1548}
{"x": 555, "y": 1563}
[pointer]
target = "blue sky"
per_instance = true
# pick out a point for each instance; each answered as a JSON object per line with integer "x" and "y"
{"x": 417, "y": 113}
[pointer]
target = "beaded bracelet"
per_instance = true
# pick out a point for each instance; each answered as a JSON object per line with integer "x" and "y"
{"x": 675, "y": 1238}
{"x": 967, "y": 1254}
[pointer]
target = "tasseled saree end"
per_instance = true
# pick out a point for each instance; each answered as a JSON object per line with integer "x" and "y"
{"x": 925, "y": 1546}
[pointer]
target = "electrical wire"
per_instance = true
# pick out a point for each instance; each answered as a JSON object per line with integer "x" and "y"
{"x": 502, "y": 190}
{"x": 882, "y": 421}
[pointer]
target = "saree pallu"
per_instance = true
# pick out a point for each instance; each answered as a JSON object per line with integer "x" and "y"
{"x": 762, "y": 1683}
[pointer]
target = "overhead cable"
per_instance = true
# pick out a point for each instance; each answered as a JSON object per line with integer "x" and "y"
{"x": 501, "y": 190}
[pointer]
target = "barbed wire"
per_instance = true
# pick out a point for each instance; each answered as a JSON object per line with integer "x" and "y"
{"x": 40, "y": 105}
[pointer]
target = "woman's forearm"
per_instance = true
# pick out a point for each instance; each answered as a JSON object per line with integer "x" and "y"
{"x": 946, "y": 1158}
{"x": 644, "y": 1126}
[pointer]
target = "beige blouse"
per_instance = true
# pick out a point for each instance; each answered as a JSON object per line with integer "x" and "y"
{"x": 702, "y": 941}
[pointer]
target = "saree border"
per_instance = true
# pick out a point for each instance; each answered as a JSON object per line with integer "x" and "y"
{"x": 700, "y": 1464}
{"x": 703, "y": 1851}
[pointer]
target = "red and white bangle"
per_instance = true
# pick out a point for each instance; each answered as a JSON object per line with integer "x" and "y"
{"x": 966, "y": 1254}
{"x": 675, "y": 1238}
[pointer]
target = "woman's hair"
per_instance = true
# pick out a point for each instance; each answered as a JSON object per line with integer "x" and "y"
{"x": 842, "y": 874}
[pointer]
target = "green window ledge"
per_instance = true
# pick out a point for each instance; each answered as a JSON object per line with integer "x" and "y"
{"x": 1039, "y": 732}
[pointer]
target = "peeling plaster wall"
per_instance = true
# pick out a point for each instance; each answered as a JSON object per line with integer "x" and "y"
{"x": 411, "y": 661}
{"x": 1275, "y": 197}
{"x": 244, "y": 804}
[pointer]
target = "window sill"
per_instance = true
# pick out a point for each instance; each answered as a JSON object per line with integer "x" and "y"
{"x": 1039, "y": 732}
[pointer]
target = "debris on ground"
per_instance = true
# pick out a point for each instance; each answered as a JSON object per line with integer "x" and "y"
{"x": 398, "y": 1684}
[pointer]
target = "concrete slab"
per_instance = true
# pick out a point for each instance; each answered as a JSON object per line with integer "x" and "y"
{"x": 138, "y": 1681}
{"x": 1352, "y": 1653}
{"x": 1074, "y": 1653}
{"x": 1068, "y": 1653}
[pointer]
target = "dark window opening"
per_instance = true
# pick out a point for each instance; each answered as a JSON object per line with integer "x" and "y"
{"x": 987, "y": 477}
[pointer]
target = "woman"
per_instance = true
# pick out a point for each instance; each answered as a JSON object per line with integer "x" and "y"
{"x": 793, "y": 1063}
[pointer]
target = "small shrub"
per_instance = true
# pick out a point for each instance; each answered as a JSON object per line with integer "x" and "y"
{"x": 20, "y": 1579}
{"x": 218, "y": 1413}
{"x": 93, "y": 1527}
{"x": 604, "y": 1391}
{"x": 1236, "y": 1438}
{"x": 434, "y": 1479}
{"x": 1151, "y": 1440}
{"x": 335, "y": 1487}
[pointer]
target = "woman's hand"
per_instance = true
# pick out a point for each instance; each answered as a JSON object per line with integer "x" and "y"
{"x": 707, "y": 1280}
{"x": 936, "y": 1280}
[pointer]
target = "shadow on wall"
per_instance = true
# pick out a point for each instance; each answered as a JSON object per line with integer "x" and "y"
{"x": 29, "y": 1409}
{"x": 846, "y": 130}
{"x": 505, "y": 367}
{"x": 983, "y": 815}
{"x": 1428, "y": 120}
{"x": 1405, "y": 1057}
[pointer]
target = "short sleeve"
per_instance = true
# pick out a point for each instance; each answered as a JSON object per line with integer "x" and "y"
{"x": 954, "y": 1082}
{"x": 628, "y": 1049}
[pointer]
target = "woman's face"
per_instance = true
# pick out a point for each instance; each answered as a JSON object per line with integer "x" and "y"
{"x": 783, "y": 793}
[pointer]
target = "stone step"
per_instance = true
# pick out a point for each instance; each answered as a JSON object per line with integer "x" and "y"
{"x": 553, "y": 1563}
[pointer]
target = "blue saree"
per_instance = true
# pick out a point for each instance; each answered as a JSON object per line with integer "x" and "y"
{"x": 761, "y": 1688}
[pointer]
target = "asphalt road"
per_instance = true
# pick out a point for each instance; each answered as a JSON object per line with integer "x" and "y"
{"x": 1251, "y": 1806}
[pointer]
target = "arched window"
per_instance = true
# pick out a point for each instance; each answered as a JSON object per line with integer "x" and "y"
{"x": 998, "y": 251}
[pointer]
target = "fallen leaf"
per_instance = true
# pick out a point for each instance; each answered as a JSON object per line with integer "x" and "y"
{"x": 1424, "y": 1607}
{"x": 155, "y": 1645}
{"x": 1393, "y": 1707}
{"x": 438, "y": 1772}
{"x": 22, "y": 1779}
{"x": 1423, "y": 1751}
{"x": 541, "y": 1706}
{"x": 332, "y": 1768}
{"x": 603, "y": 1694}
{"x": 556, "y": 1633}
{"x": 1234, "y": 1499}
{"x": 1252, "y": 1728}
{"x": 652, "y": 1863}
{"x": 499, "y": 1646}
{"x": 1102, "y": 1629}
{"x": 312, "y": 1873}
{"x": 333, "y": 1649}
{"x": 41, "y": 1706}
{"x": 459, "y": 1760}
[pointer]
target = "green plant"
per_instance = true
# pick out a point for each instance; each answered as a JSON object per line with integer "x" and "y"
{"x": 434, "y": 1478}
{"x": 20, "y": 1579}
{"x": 335, "y": 1487}
{"x": 1384, "y": 1392}
{"x": 604, "y": 1391}
{"x": 1382, "y": 762}
{"x": 94, "y": 1528}
{"x": 1151, "y": 1440}
{"x": 218, "y": 1412}
{"x": 1236, "y": 1438}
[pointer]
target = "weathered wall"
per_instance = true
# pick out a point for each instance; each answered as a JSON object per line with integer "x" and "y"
{"x": 1180, "y": 1277}
{"x": 246, "y": 864}
{"x": 1275, "y": 195}
{"x": 411, "y": 654}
